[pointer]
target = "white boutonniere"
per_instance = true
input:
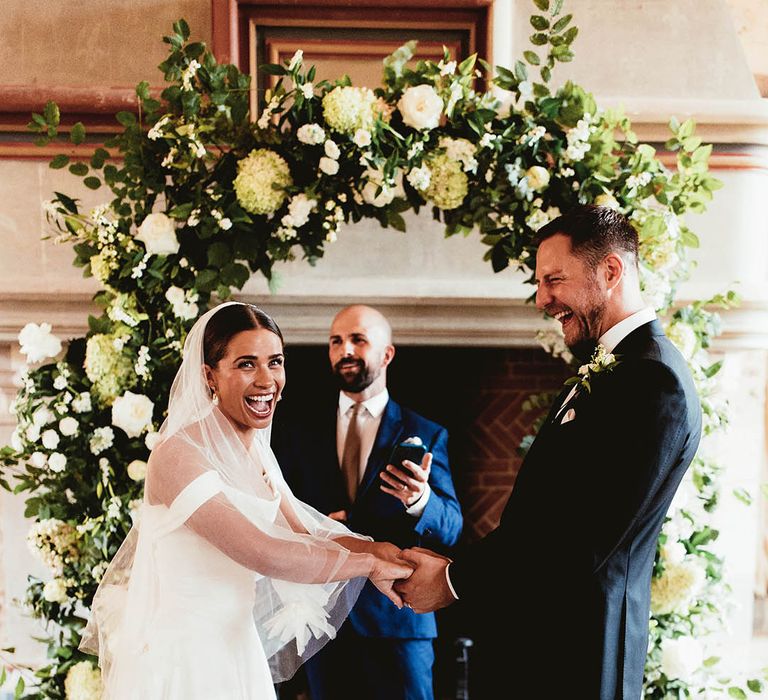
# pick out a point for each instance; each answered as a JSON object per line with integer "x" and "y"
{"x": 601, "y": 361}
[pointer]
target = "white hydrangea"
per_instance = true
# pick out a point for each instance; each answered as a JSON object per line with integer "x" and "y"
{"x": 132, "y": 413}
{"x": 461, "y": 150}
{"x": 38, "y": 343}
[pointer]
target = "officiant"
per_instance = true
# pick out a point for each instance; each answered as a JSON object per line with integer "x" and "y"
{"x": 334, "y": 455}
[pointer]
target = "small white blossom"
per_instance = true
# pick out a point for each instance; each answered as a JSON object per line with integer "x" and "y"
{"x": 156, "y": 131}
{"x": 188, "y": 73}
{"x": 308, "y": 90}
{"x": 37, "y": 459}
{"x": 137, "y": 470}
{"x": 331, "y": 149}
{"x": 113, "y": 509}
{"x": 329, "y": 166}
{"x": 60, "y": 382}
{"x": 419, "y": 178}
{"x": 57, "y": 462}
{"x": 50, "y": 439}
{"x": 447, "y": 68}
{"x": 362, "y": 138}
{"x": 193, "y": 220}
{"x": 101, "y": 440}
{"x": 82, "y": 403}
{"x": 296, "y": 60}
{"x": 55, "y": 591}
{"x": 151, "y": 440}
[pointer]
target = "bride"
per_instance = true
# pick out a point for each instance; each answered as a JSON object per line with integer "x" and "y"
{"x": 227, "y": 583}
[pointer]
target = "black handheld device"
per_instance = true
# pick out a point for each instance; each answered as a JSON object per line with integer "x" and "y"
{"x": 411, "y": 451}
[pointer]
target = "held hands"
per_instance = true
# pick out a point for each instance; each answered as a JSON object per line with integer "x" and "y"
{"x": 388, "y": 567}
{"x": 426, "y": 589}
{"x": 407, "y": 482}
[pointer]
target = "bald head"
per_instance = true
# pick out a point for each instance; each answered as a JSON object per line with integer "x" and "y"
{"x": 360, "y": 349}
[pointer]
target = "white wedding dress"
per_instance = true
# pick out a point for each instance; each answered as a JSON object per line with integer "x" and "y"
{"x": 226, "y": 583}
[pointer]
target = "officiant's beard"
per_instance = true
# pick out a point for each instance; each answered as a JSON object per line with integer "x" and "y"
{"x": 355, "y": 382}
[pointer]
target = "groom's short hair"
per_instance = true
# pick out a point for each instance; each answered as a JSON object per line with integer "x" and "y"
{"x": 594, "y": 232}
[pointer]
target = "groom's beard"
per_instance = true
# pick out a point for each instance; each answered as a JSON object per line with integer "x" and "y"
{"x": 353, "y": 382}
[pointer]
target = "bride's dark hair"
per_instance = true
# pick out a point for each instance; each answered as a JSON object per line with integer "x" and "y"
{"x": 227, "y": 323}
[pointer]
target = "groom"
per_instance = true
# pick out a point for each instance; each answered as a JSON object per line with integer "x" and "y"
{"x": 565, "y": 578}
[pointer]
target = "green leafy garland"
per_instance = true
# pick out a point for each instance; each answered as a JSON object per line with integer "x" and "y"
{"x": 203, "y": 197}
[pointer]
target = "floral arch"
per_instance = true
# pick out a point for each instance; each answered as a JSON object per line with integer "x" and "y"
{"x": 204, "y": 197}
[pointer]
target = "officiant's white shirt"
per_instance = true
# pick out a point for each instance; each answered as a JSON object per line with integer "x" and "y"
{"x": 369, "y": 420}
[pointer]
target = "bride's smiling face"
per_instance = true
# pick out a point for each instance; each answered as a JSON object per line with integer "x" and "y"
{"x": 249, "y": 378}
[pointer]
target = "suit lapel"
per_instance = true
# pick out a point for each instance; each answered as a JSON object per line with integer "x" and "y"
{"x": 390, "y": 430}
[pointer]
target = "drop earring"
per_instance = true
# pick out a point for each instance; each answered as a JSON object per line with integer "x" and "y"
{"x": 214, "y": 397}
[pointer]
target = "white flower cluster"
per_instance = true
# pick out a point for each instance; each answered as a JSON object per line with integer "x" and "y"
{"x": 141, "y": 367}
{"x": 102, "y": 439}
{"x": 54, "y": 543}
{"x": 55, "y": 590}
{"x": 461, "y": 150}
{"x": 299, "y": 209}
{"x": 578, "y": 139}
{"x": 311, "y": 134}
{"x": 380, "y": 191}
{"x": 183, "y": 304}
{"x": 83, "y": 682}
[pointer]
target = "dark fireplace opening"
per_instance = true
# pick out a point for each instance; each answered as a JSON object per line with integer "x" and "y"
{"x": 478, "y": 395}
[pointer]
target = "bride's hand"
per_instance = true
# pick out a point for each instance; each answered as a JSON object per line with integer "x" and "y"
{"x": 387, "y": 551}
{"x": 386, "y": 572}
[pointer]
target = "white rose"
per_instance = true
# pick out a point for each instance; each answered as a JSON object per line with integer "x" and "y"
{"x": 538, "y": 177}
{"x": 137, "y": 470}
{"x": 55, "y": 591}
{"x": 329, "y": 166}
{"x": 37, "y": 459}
{"x": 421, "y": 107}
{"x": 151, "y": 440}
{"x": 681, "y": 657}
{"x": 32, "y": 433}
{"x": 57, "y": 462}
{"x": 158, "y": 234}
{"x": 50, "y": 439}
{"x": 132, "y": 413}
{"x": 68, "y": 426}
{"x": 387, "y": 192}
{"x": 362, "y": 138}
{"x": 331, "y": 149}
{"x": 42, "y": 416}
{"x": 38, "y": 343}
{"x": 311, "y": 134}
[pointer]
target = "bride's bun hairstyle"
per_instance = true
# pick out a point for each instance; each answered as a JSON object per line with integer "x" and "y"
{"x": 227, "y": 323}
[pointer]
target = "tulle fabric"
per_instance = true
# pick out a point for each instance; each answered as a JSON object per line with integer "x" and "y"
{"x": 219, "y": 532}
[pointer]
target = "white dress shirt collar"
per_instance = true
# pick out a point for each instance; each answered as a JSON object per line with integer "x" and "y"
{"x": 614, "y": 335}
{"x": 375, "y": 405}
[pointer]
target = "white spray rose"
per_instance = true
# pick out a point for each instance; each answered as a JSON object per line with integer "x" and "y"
{"x": 38, "y": 343}
{"x": 42, "y": 416}
{"x": 132, "y": 413}
{"x": 681, "y": 657}
{"x": 387, "y": 192}
{"x": 158, "y": 234}
{"x": 68, "y": 426}
{"x": 331, "y": 149}
{"x": 57, "y": 462}
{"x": 362, "y": 138}
{"x": 50, "y": 439}
{"x": 37, "y": 459}
{"x": 329, "y": 166}
{"x": 299, "y": 209}
{"x": 55, "y": 591}
{"x": 421, "y": 107}
{"x": 137, "y": 470}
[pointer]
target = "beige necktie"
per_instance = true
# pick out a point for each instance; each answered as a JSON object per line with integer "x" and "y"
{"x": 350, "y": 459}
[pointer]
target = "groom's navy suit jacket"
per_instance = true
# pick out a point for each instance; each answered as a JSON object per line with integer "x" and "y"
{"x": 579, "y": 533}
{"x": 305, "y": 445}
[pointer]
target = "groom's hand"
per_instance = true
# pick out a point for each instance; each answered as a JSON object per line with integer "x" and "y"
{"x": 426, "y": 589}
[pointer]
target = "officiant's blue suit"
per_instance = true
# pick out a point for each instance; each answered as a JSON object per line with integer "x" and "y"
{"x": 566, "y": 576}
{"x": 305, "y": 444}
